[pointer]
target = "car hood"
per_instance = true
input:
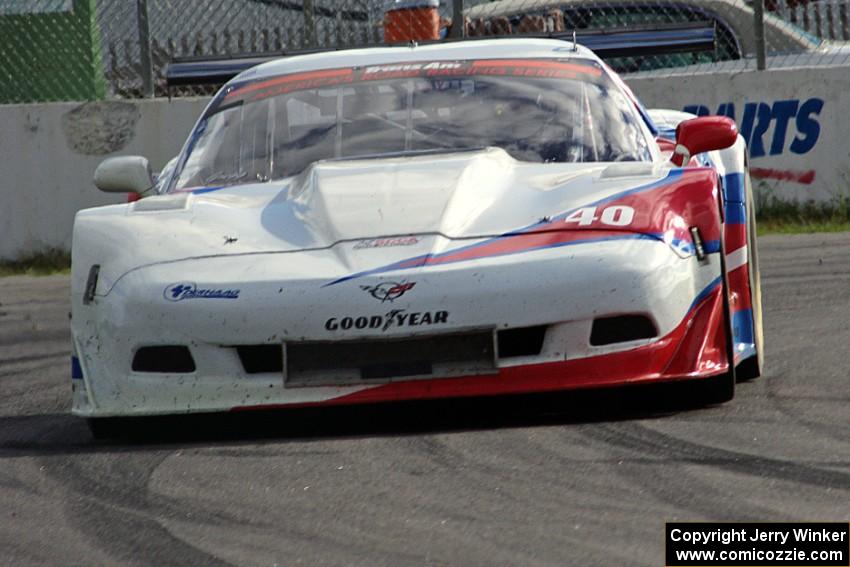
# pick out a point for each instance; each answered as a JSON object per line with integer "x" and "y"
{"x": 459, "y": 195}
{"x": 466, "y": 195}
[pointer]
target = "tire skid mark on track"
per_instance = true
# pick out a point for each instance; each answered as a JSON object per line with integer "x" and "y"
{"x": 16, "y": 372}
{"x": 17, "y": 368}
{"x": 530, "y": 489}
{"x": 10, "y": 483}
{"x": 672, "y": 482}
{"x": 13, "y": 360}
{"x": 839, "y": 400}
{"x": 438, "y": 452}
{"x": 26, "y": 336}
{"x": 41, "y": 437}
{"x": 476, "y": 475}
{"x": 638, "y": 437}
{"x": 111, "y": 507}
{"x": 263, "y": 451}
{"x": 51, "y": 302}
{"x": 783, "y": 402}
{"x": 778, "y": 280}
{"x": 512, "y": 454}
{"x": 549, "y": 485}
{"x": 299, "y": 529}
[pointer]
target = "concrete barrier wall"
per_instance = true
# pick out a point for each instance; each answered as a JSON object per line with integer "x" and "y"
{"x": 48, "y": 154}
{"x": 796, "y": 122}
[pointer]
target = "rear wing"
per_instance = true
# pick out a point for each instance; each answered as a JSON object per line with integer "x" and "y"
{"x": 641, "y": 41}
{"x": 637, "y": 41}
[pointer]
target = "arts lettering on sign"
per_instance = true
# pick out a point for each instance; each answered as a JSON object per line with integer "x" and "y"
{"x": 794, "y": 123}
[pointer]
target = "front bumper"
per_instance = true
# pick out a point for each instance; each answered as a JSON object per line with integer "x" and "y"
{"x": 564, "y": 289}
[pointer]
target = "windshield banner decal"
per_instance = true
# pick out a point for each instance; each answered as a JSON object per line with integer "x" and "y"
{"x": 528, "y": 68}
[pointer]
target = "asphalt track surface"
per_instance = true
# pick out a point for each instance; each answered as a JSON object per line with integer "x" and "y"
{"x": 574, "y": 479}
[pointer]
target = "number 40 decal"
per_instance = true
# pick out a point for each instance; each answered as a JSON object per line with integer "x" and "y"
{"x": 617, "y": 215}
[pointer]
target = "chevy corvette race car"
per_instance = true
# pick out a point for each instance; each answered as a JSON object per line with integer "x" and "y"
{"x": 460, "y": 219}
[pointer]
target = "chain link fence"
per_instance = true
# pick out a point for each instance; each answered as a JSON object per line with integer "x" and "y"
{"x": 88, "y": 49}
{"x": 141, "y": 36}
{"x": 748, "y": 34}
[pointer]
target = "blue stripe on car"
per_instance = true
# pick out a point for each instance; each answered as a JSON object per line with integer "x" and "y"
{"x": 734, "y": 189}
{"x": 743, "y": 333}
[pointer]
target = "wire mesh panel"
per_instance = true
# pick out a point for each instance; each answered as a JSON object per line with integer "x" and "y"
{"x": 87, "y": 49}
{"x": 826, "y": 19}
{"x": 222, "y": 27}
{"x": 548, "y": 15}
{"x": 733, "y": 21}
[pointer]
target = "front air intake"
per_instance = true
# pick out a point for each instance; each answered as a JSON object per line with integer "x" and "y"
{"x": 260, "y": 359}
{"x": 385, "y": 360}
{"x": 164, "y": 360}
{"x": 621, "y": 329}
{"x": 522, "y": 341}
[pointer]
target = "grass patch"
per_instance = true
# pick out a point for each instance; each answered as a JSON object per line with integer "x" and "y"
{"x": 779, "y": 216}
{"x": 51, "y": 261}
{"x": 807, "y": 227}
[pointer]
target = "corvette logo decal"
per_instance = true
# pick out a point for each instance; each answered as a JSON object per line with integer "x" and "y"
{"x": 189, "y": 290}
{"x": 388, "y": 291}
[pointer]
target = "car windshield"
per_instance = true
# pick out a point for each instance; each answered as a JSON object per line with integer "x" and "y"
{"x": 539, "y": 111}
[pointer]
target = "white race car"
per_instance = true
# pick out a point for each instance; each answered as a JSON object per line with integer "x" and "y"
{"x": 460, "y": 219}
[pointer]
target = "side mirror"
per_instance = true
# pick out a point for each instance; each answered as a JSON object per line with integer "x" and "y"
{"x": 125, "y": 174}
{"x": 703, "y": 134}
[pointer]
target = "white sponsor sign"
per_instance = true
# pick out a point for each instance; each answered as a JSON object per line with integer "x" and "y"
{"x": 792, "y": 119}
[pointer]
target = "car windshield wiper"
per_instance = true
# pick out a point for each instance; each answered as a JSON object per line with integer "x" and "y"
{"x": 404, "y": 153}
{"x": 224, "y": 178}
